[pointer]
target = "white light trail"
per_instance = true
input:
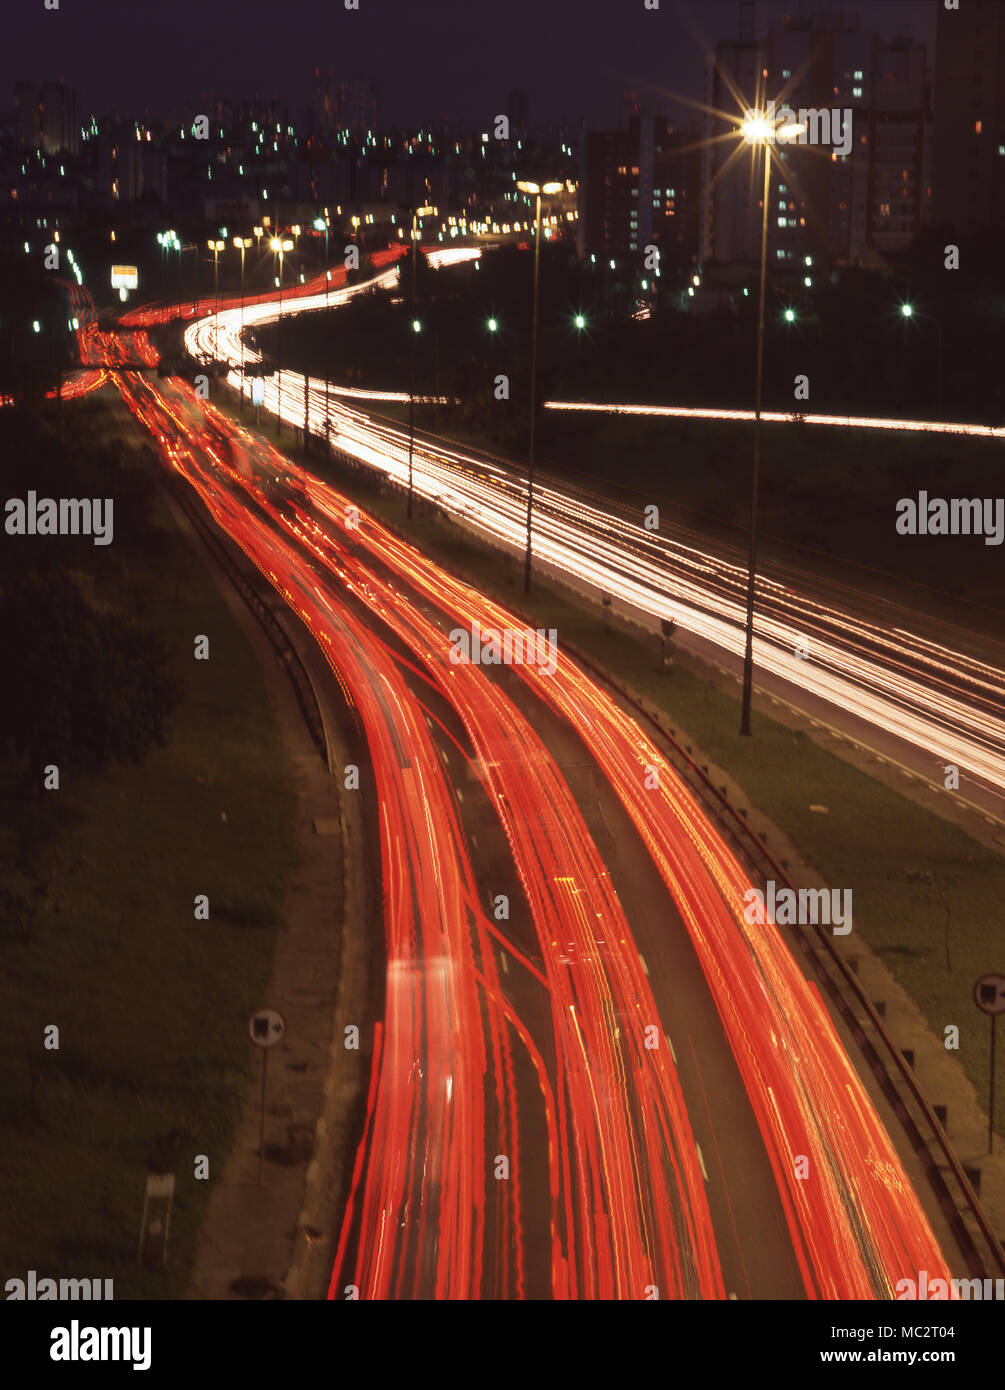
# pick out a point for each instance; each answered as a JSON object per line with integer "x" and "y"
{"x": 943, "y": 702}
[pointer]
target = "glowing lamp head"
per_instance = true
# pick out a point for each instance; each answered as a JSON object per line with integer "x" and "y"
{"x": 907, "y": 310}
{"x": 755, "y": 128}
{"x": 580, "y": 321}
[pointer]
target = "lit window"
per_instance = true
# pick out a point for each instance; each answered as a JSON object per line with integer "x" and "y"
{"x": 978, "y": 127}
{"x": 856, "y": 91}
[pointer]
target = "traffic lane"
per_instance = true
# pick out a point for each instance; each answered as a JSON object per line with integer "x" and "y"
{"x": 752, "y": 1235}
{"x": 742, "y": 1190}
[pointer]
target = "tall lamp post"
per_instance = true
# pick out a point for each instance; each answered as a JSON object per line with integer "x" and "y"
{"x": 242, "y": 243}
{"x": 280, "y": 245}
{"x": 216, "y": 247}
{"x": 259, "y": 232}
{"x": 907, "y": 312}
{"x": 321, "y": 225}
{"x": 537, "y": 189}
{"x": 757, "y": 129}
{"x": 425, "y": 211}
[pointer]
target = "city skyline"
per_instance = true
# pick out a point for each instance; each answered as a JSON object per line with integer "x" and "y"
{"x": 658, "y": 52}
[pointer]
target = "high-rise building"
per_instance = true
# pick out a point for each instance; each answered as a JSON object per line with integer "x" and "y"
{"x": 345, "y": 104}
{"x": 45, "y": 118}
{"x": 970, "y": 116}
{"x": 638, "y": 187}
{"x": 630, "y": 107}
{"x": 518, "y": 109}
{"x": 858, "y": 183}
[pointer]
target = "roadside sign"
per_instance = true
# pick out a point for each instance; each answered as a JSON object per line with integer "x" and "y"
{"x": 266, "y": 1027}
{"x": 989, "y": 994}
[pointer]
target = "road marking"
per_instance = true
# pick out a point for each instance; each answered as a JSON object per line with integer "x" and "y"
{"x": 670, "y": 1046}
{"x": 644, "y": 966}
{"x": 460, "y": 794}
{"x": 504, "y": 962}
{"x": 701, "y": 1161}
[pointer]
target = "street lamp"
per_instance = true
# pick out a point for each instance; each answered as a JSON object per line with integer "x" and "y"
{"x": 525, "y": 186}
{"x": 259, "y": 233}
{"x": 907, "y": 312}
{"x": 321, "y": 225}
{"x": 757, "y": 129}
{"x": 216, "y": 247}
{"x": 296, "y": 243}
{"x": 279, "y": 247}
{"x": 580, "y": 324}
{"x": 242, "y": 244}
{"x": 424, "y": 211}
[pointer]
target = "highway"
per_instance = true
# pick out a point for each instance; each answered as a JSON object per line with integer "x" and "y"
{"x": 920, "y": 702}
{"x": 562, "y": 1060}
{"x": 617, "y": 1088}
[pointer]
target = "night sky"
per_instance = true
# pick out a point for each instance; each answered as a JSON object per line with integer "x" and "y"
{"x": 455, "y": 57}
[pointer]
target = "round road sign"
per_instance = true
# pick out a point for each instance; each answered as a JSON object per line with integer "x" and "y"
{"x": 266, "y": 1027}
{"x": 989, "y": 994}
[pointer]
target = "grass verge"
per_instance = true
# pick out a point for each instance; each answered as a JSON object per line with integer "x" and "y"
{"x": 151, "y": 1004}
